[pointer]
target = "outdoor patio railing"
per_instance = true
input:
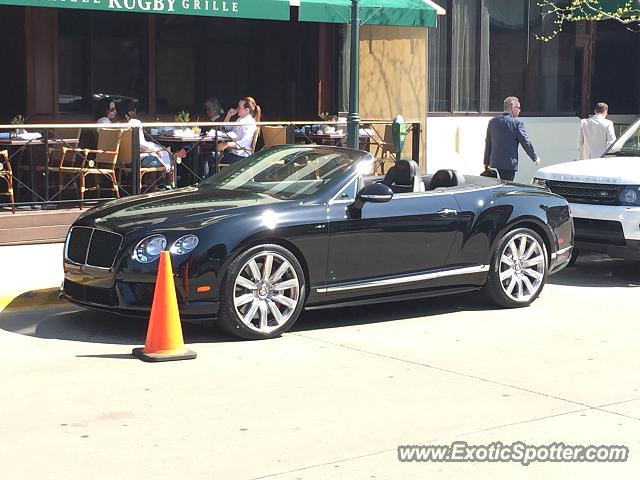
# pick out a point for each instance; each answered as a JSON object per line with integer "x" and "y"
{"x": 34, "y": 152}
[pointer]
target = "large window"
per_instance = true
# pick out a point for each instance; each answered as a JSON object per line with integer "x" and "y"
{"x": 615, "y": 72}
{"x": 485, "y": 50}
{"x": 202, "y": 57}
{"x": 168, "y": 63}
{"x": 439, "y": 71}
{"x": 507, "y": 36}
{"x": 101, "y": 54}
{"x": 465, "y": 56}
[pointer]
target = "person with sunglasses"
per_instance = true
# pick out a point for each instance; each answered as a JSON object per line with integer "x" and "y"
{"x": 504, "y": 133}
{"x": 106, "y": 111}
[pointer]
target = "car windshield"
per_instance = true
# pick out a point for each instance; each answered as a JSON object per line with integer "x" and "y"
{"x": 628, "y": 144}
{"x": 290, "y": 172}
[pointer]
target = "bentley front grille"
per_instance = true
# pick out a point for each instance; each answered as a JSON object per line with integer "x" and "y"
{"x": 90, "y": 246}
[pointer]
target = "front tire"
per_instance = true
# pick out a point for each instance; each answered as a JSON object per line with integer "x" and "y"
{"x": 262, "y": 294}
{"x": 518, "y": 269}
{"x": 574, "y": 256}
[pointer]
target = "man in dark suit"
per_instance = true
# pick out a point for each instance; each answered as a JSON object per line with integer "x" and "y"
{"x": 504, "y": 133}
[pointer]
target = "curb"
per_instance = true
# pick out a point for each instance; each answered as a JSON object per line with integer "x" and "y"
{"x": 30, "y": 299}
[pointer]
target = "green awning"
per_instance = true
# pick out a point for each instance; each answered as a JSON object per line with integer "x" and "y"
{"x": 406, "y": 13}
{"x": 255, "y": 9}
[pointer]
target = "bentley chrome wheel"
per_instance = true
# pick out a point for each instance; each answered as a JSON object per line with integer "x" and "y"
{"x": 266, "y": 292}
{"x": 522, "y": 267}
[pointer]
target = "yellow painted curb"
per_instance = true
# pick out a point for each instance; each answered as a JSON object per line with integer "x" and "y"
{"x": 5, "y": 300}
{"x": 30, "y": 299}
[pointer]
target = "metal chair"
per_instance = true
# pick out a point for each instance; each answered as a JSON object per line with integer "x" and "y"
{"x": 6, "y": 174}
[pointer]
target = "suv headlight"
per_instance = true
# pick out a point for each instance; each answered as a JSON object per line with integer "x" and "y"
{"x": 184, "y": 245}
{"x": 541, "y": 182}
{"x": 148, "y": 249}
{"x": 630, "y": 195}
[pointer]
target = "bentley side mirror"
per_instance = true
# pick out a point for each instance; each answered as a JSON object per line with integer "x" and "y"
{"x": 375, "y": 193}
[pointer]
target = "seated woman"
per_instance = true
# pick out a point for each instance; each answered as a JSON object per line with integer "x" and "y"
{"x": 248, "y": 113}
{"x": 127, "y": 114}
{"x": 106, "y": 111}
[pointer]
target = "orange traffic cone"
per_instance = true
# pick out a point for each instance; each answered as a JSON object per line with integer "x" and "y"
{"x": 164, "y": 334}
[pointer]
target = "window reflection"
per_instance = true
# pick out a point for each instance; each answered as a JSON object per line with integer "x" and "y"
{"x": 101, "y": 53}
{"x": 485, "y": 51}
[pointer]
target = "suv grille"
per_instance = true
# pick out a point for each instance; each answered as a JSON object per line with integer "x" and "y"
{"x": 593, "y": 193}
{"x": 90, "y": 246}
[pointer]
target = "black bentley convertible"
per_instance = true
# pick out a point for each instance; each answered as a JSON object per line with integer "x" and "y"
{"x": 296, "y": 227}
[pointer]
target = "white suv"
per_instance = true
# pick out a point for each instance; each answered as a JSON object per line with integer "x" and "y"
{"x": 604, "y": 196}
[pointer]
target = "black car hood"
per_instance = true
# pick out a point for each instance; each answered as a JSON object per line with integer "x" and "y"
{"x": 189, "y": 207}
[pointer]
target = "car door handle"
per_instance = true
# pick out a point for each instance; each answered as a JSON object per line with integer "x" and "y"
{"x": 447, "y": 212}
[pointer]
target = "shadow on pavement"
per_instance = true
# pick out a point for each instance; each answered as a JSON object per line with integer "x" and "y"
{"x": 598, "y": 270}
{"x": 41, "y": 314}
{"x": 390, "y": 311}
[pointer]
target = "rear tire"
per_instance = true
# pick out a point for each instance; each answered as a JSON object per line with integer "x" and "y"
{"x": 518, "y": 269}
{"x": 263, "y": 293}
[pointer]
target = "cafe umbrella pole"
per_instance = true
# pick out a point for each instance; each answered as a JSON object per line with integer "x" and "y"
{"x": 353, "y": 117}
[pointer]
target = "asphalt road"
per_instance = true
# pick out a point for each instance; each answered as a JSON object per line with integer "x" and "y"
{"x": 335, "y": 397}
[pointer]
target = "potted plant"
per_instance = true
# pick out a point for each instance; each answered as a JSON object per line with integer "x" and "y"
{"x": 19, "y": 120}
{"x": 328, "y": 117}
{"x": 182, "y": 117}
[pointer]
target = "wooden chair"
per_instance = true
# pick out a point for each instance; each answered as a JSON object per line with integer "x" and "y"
{"x": 256, "y": 134}
{"x": 70, "y": 134}
{"x": 71, "y": 137}
{"x": 251, "y": 150}
{"x": 98, "y": 163}
{"x": 384, "y": 148}
{"x": 6, "y": 174}
{"x": 274, "y": 135}
{"x": 124, "y": 163}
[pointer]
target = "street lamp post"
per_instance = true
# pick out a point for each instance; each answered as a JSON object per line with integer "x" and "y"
{"x": 353, "y": 117}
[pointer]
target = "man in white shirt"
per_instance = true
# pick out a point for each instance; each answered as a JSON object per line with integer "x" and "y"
{"x": 596, "y": 133}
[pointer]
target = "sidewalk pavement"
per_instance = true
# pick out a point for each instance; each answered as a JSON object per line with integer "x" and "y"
{"x": 29, "y": 267}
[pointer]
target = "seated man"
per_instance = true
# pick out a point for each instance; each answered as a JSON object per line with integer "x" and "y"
{"x": 248, "y": 114}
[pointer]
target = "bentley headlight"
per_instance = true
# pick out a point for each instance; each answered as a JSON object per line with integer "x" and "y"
{"x": 541, "y": 182}
{"x": 148, "y": 249}
{"x": 184, "y": 245}
{"x": 630, "y": 196}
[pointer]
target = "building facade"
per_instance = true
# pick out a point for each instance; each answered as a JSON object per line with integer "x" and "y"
{"x": 486, "y": 50}
{"x": 452, "y": 78}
